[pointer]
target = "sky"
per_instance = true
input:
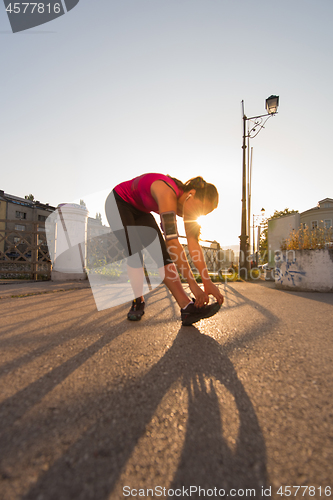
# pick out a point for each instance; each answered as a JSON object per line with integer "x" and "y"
{"x": 117, "y": 88}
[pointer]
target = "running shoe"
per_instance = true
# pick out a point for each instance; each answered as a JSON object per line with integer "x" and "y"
{"x": 192, "y": 314}
{"x": 137, "y": 310}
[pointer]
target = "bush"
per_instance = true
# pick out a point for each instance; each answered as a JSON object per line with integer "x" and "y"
{"x": 255, "y": 273}
{"x": 306, "y": 239}
{"x": 229, "y": 277}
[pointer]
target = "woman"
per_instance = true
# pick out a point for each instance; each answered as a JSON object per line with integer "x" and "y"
{"x": 167, "y": 196}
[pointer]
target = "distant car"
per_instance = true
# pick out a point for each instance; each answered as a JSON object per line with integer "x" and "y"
{"x": 264, "y": 266}
{"x": 15, "y": 255}
{"x": 12, "y": 255}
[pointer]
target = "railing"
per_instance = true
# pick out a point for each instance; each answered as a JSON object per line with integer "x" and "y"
{"x": 24, "y": 253}
{"x": 105, "y": 248}
{"x": 212, "y": 255}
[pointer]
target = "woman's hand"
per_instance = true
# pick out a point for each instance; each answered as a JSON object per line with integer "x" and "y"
{"x": 212, "y": 289}
{"x": 201, "y": 297}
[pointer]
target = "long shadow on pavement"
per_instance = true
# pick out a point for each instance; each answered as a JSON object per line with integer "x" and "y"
{"x": 92, "y": 467}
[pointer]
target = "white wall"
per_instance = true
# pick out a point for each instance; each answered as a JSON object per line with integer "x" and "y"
{"x": 278, "y": 230}
{"x": 305, "y": 270}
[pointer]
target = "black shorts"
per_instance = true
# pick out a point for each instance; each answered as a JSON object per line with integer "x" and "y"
{"x": 139, "y": 232}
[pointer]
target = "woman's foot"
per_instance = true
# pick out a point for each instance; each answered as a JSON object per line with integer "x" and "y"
{"x": 192, "y": 314}
{"x": 137, "y": 310}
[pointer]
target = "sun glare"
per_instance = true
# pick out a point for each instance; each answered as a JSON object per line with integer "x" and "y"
{"x": 205, "y": 227}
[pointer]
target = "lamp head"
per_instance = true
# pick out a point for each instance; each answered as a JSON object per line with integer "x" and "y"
{"x": 272, "y": 103}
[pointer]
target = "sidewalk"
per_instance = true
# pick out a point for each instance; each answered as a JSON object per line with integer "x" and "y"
{"x": 20, "y": 288}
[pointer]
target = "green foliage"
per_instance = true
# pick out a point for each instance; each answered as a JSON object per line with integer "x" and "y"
{"x": 100, "y": 266}
{"x": 29, "y": 197}
{"x": 216, "y": 278}
{"x": 255, "y": 274}
{"x": 225, "y": 278}
{"x": 99, "y": 217}
{"x": 281, "y": 213}
{"x": 82, "y": 203}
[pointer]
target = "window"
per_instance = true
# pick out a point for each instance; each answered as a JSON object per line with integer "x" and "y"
{"x": 327, "y": 205}
{"x": 327, "y": 223}
{"x": 42, "y": 218}
{"x": 21, "y": 215}
{"x": 314, "y": 224}
{"x": 19, "y": 227}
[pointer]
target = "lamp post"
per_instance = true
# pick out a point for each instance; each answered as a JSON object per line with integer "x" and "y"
{"x": 258, "y": 123}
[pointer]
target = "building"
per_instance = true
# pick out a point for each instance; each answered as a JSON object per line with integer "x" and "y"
{"x": 20, "y": 215}
{"x": 3, "y": 212}
{"x": 320, "y": 216}
{"x": 280, "y": 228}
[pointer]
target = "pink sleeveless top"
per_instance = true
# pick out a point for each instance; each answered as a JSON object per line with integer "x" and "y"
{"x": 137, "y": 191}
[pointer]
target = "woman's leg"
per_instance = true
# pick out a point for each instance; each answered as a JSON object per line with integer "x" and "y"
{"x": 131, "y": 217}
{"x": 136, "y": 277}
{"x": 119, "y": 223}
{"x": 172, "y": 281}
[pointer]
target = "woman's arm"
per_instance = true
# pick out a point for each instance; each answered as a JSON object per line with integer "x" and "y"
{"x": 198, "y": 259}
{"x": 178, "y": 255}
{"x": 167, "y": 202}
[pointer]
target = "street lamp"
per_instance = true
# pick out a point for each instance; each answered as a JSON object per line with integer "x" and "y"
{"x": 272, "y": 104}
{"x": 258, "y": 123}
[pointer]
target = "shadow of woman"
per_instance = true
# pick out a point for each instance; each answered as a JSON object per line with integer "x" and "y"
{"x": 209, "y": 457}
{"x": 92, "y": 467}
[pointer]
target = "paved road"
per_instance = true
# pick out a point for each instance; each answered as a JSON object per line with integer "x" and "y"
{"x": 95, "y": 407}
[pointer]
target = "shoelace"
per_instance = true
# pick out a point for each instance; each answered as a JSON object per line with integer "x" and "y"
{"x": 136, "y": 304}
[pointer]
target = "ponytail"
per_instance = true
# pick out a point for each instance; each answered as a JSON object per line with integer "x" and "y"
{"x": 203, "y": 189}
{"x": 197, "y": 183}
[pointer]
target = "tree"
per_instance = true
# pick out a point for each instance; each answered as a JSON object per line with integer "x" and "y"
{"x": 98, "y": 217}
{"x": 29, "y": 197}
{"x": 264, "y": 232}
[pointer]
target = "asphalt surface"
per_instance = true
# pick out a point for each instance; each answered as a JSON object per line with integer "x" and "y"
{"x": 93, "y": 406}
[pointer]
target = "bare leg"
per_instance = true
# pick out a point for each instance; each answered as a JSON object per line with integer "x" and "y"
{"x": 172, "y": 281}
{"x": 136, "y": 277}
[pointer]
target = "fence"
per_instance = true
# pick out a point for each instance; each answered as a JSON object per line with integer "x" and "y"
{"x": 105, "y": 248}
{"x": 23, "y": 252}
{"x": 213, "y": 255}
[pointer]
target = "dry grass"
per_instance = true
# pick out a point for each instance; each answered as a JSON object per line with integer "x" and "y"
{"x": 306, "y": 239}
